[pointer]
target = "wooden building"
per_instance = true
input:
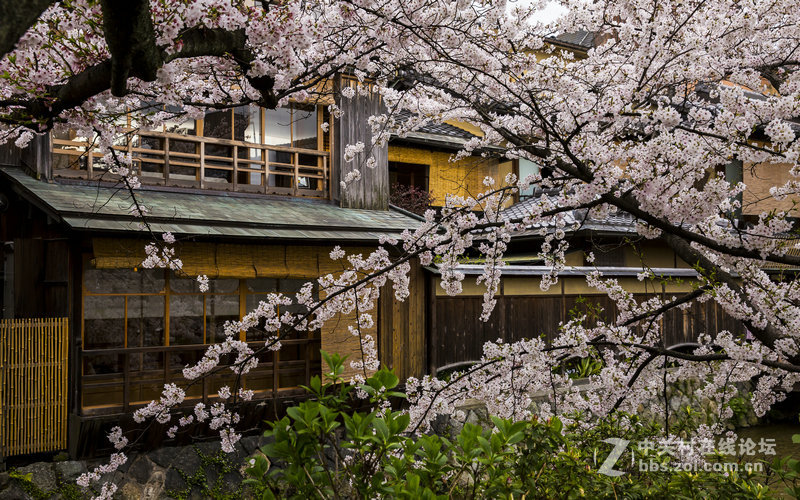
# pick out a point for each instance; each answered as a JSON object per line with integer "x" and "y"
{"x": 253, "y": 198}
{"x": 525, "y": 311}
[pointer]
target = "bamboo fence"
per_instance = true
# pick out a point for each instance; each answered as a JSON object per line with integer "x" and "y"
{"x": 33, "y": 385}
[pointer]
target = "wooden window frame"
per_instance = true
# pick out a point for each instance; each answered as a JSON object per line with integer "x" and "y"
{"x": 308, "y": 363}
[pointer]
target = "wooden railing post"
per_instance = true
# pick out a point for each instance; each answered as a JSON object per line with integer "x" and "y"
{"x": 296, "y": 157}
{"x": 202, "y": 164}
{"x": 89, "y": 161}
{"x": 235, "y": 179}
{"x": 326, "y": 192}
{"x": 166, "y": 160}
{"x": 265, "y": 156}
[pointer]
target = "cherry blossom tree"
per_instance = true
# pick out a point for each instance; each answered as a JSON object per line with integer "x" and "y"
{"x": 643, "y": 123}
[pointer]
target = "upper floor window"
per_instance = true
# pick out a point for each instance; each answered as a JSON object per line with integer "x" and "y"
{"x": 246, "y": 148}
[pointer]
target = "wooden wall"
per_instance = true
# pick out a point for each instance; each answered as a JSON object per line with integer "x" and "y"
{"x": 458, "y": 335}
{"x": 372, "y": 190}
{"x": 36, "y": 156}
{"x": 759, "y": 178}
{"x": 402, "y": 345}
{"x": 41, "y": 277}
{"x": 41, "y": 261}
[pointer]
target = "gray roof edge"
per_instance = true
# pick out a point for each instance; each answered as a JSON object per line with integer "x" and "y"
{"x": 393, "y": 223}
{"x": 512, "y": 270}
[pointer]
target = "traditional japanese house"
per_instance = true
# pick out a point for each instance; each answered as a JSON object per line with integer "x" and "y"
{"x": 253, "y": 198}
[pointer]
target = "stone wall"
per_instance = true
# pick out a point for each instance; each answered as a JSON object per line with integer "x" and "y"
{"x": 198, "y": 471}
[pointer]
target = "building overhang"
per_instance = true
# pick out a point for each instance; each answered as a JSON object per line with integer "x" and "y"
{"x": 100, "y": 207}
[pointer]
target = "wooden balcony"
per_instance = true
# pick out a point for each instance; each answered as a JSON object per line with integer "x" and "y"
{"x": 175, "y": 160}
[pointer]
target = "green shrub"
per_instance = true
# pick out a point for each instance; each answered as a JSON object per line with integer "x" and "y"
{"x": 327, "y": 448}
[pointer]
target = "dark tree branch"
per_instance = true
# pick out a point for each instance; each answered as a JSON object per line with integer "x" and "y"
{"x": 16, "y": 18}
{"x": 197, "y": 42}
{"x": 131, "y": 39}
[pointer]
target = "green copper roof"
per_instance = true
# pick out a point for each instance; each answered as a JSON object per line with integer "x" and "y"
{"x": 91, "y": 206}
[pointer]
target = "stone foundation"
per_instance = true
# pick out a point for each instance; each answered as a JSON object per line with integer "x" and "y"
{"x": 198, "y": 471}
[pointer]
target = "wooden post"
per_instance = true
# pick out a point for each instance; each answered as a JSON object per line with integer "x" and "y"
{"x": 326, "y": 192}
{"x": 235, "y": 180}
{"x": 296, "y": 160}
{"x": 202, "y": 171}
{"x": 265, "y": 157}
{"x": 89, "y": 162}
{"x": 166, "y": 160}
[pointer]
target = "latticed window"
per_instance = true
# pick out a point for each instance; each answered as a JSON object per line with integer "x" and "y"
{"x": 141, "y": 328}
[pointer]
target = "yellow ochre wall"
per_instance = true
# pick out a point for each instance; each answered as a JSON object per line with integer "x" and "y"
{"x": 759, "y": 178}
{"x": 462, "y": 178}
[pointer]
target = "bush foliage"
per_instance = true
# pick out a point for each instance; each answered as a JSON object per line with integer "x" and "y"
{"x": 328, "y": 447}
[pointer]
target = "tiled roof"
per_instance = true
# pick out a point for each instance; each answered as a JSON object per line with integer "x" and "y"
{"x": 435, "y": 132}
{"x": 614, "y": 223}
{"x": 580, "y": 38}
{"x": 96, "y": 207}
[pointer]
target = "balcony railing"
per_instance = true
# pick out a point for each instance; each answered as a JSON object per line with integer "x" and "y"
{"x": 176, "y": 160}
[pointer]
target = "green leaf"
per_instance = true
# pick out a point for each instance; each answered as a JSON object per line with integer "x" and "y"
{"x": 295, "y": 413}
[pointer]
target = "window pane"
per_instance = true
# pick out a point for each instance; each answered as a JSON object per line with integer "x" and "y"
{"x": 190, "y": 285}
{"x": 217, "y": 124}
{"x": 247, "y": 124}
{"x": 103, "y": 322}
{"x": 183, "y": 285}
{"x": 223, "y": 285}
{"x": 185, "y": 319}
{"x": 124, "y": 280}
{"x": 526, "y": 168}
{"x": 145, "y": 320}
{"x": 278, "y": 125}
{"x": 180, "y": 125}
{"x": 264, "y": 285}
{"x": 305, "y": 127}
{"x": 251, "y": 303}
{"x": 291, "y": 286}
{"x": 247, "y": 127}
{"x": 219, "y": 309}
{"x": 146, "y": 329}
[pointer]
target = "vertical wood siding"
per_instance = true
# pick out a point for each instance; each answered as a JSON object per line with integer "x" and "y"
{"x": 372, "y": 191}
{"x": 458, "y": 335}
{"x": 402, "y": 343}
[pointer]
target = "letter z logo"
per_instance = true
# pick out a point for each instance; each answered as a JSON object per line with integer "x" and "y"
{"x": 619, "y": 448}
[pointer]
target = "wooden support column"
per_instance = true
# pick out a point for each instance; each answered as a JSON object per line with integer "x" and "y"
{"x": 235, "y": 180}
{"x": 202, "y": 171}
{"x": 433, "y": 334}
{"x": 166, "y": 160}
